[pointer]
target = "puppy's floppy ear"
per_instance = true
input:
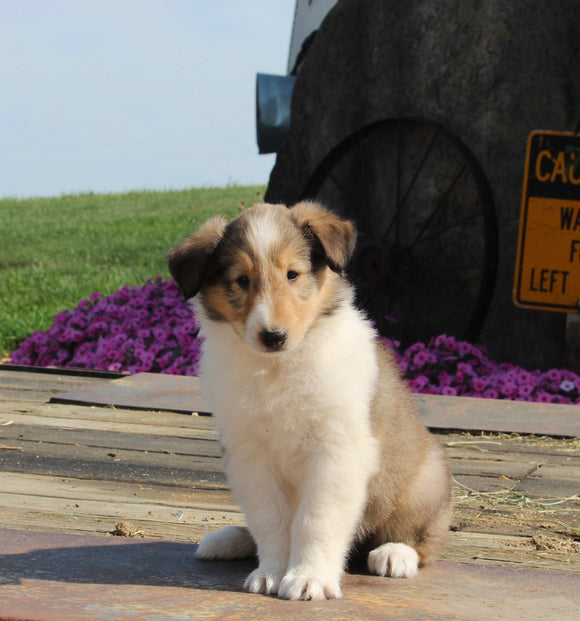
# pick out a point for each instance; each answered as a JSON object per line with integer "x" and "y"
{"x": 336, "y": 237}
{"x": 188, "y": 262}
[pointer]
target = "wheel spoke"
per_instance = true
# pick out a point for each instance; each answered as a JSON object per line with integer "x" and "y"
{"x": 339, "y": 186}
{"x": 419, "y": 169}
{"x": 442, "y": 268}
{"x": 439, "y": 204}
{"x": 442, "y": 232}
{"x": 399, "y": 183}
{"x": 362, "y": 162}
{"x": 351, "y": 209}
{"x": 438, "y": 233}
{"x": 401, "y": 203}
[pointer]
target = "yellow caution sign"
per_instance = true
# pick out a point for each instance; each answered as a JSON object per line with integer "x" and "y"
{"x": 547, "y": 275}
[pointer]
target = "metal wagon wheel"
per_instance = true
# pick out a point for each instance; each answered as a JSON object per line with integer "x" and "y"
{"x": 426, "y": 256}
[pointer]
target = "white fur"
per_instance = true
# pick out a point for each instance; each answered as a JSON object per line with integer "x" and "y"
{"x": 229, "y": 543}
{"x": 262, "y": 232}
{"x": 259, "y": 318}
{"x": 397, "y": 560}
{"x": 299, "y": 451}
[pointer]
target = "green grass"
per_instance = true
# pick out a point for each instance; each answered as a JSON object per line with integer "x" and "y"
{"x": 56, "y": 251}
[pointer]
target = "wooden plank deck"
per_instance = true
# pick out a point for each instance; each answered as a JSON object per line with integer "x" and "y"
{"x": 76, "y": 469}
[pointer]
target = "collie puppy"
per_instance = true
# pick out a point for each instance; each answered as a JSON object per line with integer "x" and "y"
{"x": 322, "y": 446}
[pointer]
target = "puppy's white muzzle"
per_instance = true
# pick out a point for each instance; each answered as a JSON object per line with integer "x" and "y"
{"x": 262, "y": 334}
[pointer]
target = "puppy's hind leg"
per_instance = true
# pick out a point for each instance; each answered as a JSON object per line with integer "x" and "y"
{"x": 228, "y": 544}
{"x": 397, "y": 560}
{"x": 416, "y": 532}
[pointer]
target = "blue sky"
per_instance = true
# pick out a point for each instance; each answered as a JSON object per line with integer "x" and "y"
{"x": 117, "y": 95}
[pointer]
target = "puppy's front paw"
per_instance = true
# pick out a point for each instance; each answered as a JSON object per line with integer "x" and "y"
{"x": 294, "y": 585}
{"x": 264, "y": 581}
{"x": 228, "y": 544}
{"x": 397, "y": 560}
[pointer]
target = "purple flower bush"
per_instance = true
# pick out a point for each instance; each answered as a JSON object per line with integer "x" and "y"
{"x": 446, "y": 366}
{"x": 151, "y": 328}
{"x": 137, "y": 329}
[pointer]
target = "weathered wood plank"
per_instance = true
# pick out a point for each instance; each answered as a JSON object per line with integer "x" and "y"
{"x": 112, "y": 513}
{"x": 506, "y": 550}
{"x": 144, "y": 391}
{"x": 39, "y": 385}
{"x": 79, "y": 417}
{"x": 552, "y": 482}
{"x": 512, "y": 515}
{"x": 95, "y": 524}
{"x": 112, "y": 464}
{"x": 218, "y": 498}
{"x": 79, "y": 505}
{"x": 158, "y": 440}
{"x": 470, "y": 414}
{"x": 118, "y": 510}
{"x": 501, "y": 446}
{"x": 513, "y": 469}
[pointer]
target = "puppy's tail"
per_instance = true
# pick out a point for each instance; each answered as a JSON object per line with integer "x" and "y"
{"x": 231, "y": 543}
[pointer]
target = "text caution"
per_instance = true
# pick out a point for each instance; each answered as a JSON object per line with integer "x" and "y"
{"x": 547, "y": 273}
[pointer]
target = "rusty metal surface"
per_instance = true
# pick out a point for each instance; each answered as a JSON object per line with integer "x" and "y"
{"x": 153, "y": 391}
{"x": 144, "y": 391}
{"x": 54, "y": 576}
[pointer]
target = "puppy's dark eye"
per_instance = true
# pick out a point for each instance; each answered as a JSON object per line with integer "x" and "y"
{"x": 292, "y": 275}
{"x": 243, "y": 281}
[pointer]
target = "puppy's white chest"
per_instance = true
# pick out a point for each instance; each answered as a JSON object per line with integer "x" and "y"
{"x": 285, "y": 413}
{"x": 295, "y": 403}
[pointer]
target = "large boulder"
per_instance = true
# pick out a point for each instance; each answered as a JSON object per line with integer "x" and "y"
{"x": 489, "y": 72}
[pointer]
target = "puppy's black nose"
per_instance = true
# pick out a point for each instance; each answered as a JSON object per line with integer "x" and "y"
{"x": 274, "y": 339}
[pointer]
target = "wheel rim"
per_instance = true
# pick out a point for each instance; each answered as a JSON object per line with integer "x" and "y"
{"x": 426, "y": 257}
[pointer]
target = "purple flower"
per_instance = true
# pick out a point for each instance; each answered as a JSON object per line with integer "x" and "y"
{"x": 444, "y": 378}
{"x": 509, "y": 389}
{"x": 523, "y": 377}
{"x": 543, "y": 397}
{"x": 451, "y": 344}
{"x": 567, "y": 386}
{"x": 440, "y": 340}
{"x": 478, "y": 385}
{"x": 417, "y": 384}
{"x": 420, "y": 359}
{"x": 465, "y": 348}
{"x": 526, "y": 390}
{"x": 465, "y": 368}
